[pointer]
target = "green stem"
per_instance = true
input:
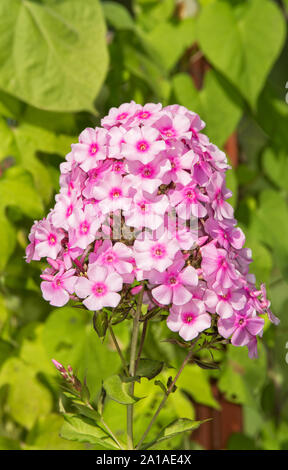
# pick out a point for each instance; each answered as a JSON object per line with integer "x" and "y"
{"x": 132, "y": 365}
{"x": 143, "y": 335}
{"x": 118, "y": 350}
{"x": 165, "y": 398}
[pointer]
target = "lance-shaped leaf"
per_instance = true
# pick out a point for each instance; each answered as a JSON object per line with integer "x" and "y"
{"x": 53, "y": 53}
{"x": 176, "y": 427}
{"x": 82, "y": 429}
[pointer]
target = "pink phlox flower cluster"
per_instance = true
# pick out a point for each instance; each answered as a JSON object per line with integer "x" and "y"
{"x": 143, "y": 199}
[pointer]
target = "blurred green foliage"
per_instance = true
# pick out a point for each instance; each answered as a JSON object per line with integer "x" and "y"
{"x": 63, "y": 64}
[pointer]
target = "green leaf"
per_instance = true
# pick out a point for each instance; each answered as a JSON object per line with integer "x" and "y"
{"x": 117, "y": 390}
{"x": 16, "y": 189}
{"x": 9, "y": 444}
{"x": 28, "y": 399}
{"x": 69, "y": 337}
{"x": 87, "y": 412}
{"x": 178, "y": 426}
{"x": 146, "y": 69}
{"x": 246, "y": 41}
{"x": 84, "y": 430}
{"x": 61, "y": 40}
{"x": 217, "y": 103}
{"x": 10, "y": 107}
{"x": 45, "y": 435}
{"x": 169, "y": 41}
{"x": 100, "y": 323}
{"x": 271, "y": 215}
{"x": 241, "y": 378}
{"x": 25, "y": 142}
{"x": 276, "y": 167}
{"x": 272, "y": 116}
{"x": 195, "y": 382}
{"x": 149, "y": 368}
{"x": 152, "y": 12}
{"x": 118, "y": 16}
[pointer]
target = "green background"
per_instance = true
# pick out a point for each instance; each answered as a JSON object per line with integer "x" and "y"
{"x": 63, "y": 64}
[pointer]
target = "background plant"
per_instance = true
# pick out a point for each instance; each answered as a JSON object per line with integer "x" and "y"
{"x": 146, "y": 53}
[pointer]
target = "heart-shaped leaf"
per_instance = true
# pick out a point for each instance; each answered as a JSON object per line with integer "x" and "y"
{"x": 231, "y": 37}
{"x": 53, "y": 53}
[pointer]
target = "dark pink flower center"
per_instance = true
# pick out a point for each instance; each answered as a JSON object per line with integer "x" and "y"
{"x": 147, "y": 171}
{"x": 144, "y": 115}
{"x": 158, "y": 251}
{"x": 57, "y": 284}
{"x": 52, "y": 239}
{"x": 109, "y": 257}
{"x": 142, "y": 146}
{"x": 190, "y": 195}
{"x": 143, "y": 206}
{"x": 99, "y": 289}
{"x": 168, "y": 131}
{"x": 242, "y": 322}
{"x": 121, "y": 116}
{"x": 84, "y": 227}
{"x": 93, "y": 149}
{"x": 188, "y": 317}
{"x": 172, "y": 280}
{"x": 115, "y": 193}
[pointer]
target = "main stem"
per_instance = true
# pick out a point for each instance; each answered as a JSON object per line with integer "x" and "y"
{"x": 132, "y": 368}
{"x": 165, "y": 398}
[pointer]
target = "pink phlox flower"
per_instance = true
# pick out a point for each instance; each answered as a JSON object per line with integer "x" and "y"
{"x": 64, "y": 211}
{"x": 216, "y": 157}
{"x": 189, "y": 319}
{"x": 87, "y": 222}
{"x": 56, "y": 288}
{"x": 91, "y": 148}
{"x": 196, "y": 123}
{"x": 112, "y": 194}
{"x": 217, "y": 268}
{"x": 30, "y": 249}
{"x": 262, "y": 304}
{"x": 47, "y": 239}
{"x": 113, "y": 257}
{"x": 73, "y": 182}
{"x": 147, "y": 114}
{"x": 180, "y": 162}
{"x": 117, "y": 138}
{"x": 241, "y": 326}
{"x": 188, "y": 201}
{"x": 155, "y": 254}
{"x": 70, "y": 254}
{"x": 96, "y": 176}
{"x": 148, "y": 176}
{"x": 100, "y": 288}
{"x": 218, "y": 194}
{"x": 229, "y": 301}
{"x": 225, "y": 233}
{"x": 173, "y": 126}
{"x": 196, "y": 160}
{"x": 142, "y": 144}
{"x": 120, "y": 116}
{"x": 146, "y": 211}
{"x": 174, "y": 283}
